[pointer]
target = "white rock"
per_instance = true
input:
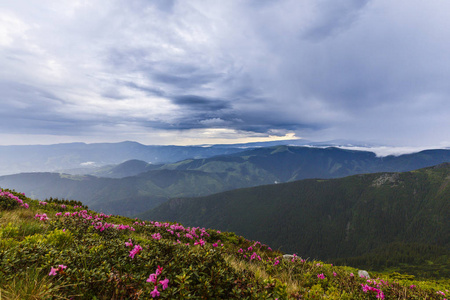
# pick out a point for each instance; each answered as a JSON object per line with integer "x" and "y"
{"x": 362, "y": 273}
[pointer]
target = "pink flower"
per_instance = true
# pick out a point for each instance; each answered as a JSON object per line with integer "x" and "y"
{"x": 155, "y": 292}
{"x": 321, "y": 276}
{"x": 159, "y": 270}
{"x": 135, "y": 251}
{"x": 200, "y": 242}
{"x": 61, "y": 267}
{"x": 334, "y": 274}
{"x": 156, "y": 236}
{"x": 129, "y": 244}
{"x": 53, "y": 272}
{"x": 164, "y": 283}
{"x": 240, "y": 250}
{"x": 152, "y": 278}
{"x": 352, "y": 275}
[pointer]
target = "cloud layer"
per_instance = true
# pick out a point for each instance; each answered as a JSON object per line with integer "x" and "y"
{"x": 174, "y": 72}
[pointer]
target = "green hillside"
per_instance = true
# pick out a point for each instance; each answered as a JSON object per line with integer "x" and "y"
{"x": 348, "y": 218}
{"x": 60, "y": 250}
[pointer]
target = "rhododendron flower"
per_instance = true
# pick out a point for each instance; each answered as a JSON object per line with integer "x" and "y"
{"x": 164, "y": 283}
{"x": 53, "y": 271}
{"x": 240, "y": 250}
{"x": 321, "y": 276}
{"x": 334, "y": 274}
{"x": 129, "y": 244}
{"x": 200, "y": 242}
{"x": 152, "y": 278}
{"x": 156, "y": 236}
{"x": 159, "y": 270}
{"x": 135, "y": 251}
{"x": 155, "y": 292}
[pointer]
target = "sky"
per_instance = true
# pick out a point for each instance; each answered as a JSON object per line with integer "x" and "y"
{"x": 189, "y": 72}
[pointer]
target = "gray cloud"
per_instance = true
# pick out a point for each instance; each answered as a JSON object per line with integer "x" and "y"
{"x": 362, "y": 70}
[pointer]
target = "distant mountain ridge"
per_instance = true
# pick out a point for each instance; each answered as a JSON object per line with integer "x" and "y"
{"x": 50, "y": 158}
{"x": 136, "y": 186}
{"x": 334, "y": 218}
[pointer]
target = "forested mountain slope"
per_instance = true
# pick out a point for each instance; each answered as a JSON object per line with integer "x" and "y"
{"x": 328, "y": 219}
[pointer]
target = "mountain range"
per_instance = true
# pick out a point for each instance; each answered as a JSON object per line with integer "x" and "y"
{"x": 81, "y": 158}
{"x": 136, "y": 186}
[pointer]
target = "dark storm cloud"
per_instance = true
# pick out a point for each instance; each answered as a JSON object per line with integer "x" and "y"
{"x": 350, "y": 69}
{"x": 197, "y": 103}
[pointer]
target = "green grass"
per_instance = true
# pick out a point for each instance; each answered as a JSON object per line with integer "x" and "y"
{"x": 99, "y": 265}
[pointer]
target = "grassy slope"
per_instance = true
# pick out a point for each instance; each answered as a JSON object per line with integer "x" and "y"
{"x": 328, "y": 219}
{"x": 99, "y": 265}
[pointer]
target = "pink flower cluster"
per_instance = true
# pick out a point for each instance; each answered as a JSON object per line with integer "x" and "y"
{"x": 135, "y": 251}
{"x": 154, "y": 278}
{"x": 177, "y": 229}
{"x": 12, "y": 196}
{"x": 156, "y": 236}
{"x": 254, "y": 255}
{"x": 43, "y": 203}
{"x": 321, "y": 276}
{"x": 42, "y": 217}
{"x": 367, "y": 288}
{"x": 54, "y": 271}
{"x": 200, "y": 242}
{"x": 97, "y": 220}
{"x": 216, "y": 244}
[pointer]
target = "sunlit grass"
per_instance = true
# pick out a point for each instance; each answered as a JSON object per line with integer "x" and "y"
{"x": 31, "y": 285}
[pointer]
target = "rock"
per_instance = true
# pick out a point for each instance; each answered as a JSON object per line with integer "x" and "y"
{"x": 362, "y": 273}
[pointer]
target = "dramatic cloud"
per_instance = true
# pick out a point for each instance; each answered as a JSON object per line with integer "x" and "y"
{"x": 179, "y": 72}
